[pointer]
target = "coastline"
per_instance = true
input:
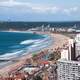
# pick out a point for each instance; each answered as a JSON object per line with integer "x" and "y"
{"x": 59, "y": 40}
{"x": 35, "y": 48}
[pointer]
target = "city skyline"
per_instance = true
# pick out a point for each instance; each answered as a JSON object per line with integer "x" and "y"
{"x": 39, "y": 10}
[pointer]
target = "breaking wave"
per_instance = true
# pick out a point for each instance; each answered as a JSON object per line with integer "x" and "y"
{"x": 26, "y": 46}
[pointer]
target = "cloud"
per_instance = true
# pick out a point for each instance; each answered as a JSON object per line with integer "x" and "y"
{"x": 45, "y": 9}
{"x": 37, "y": 8}
{"x": 71, "y": 10}
{"x": 12, "y": 3}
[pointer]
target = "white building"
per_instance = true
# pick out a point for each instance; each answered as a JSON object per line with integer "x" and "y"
{"x": 68, "y": 70}
{"x": 71, "y": 30}
{"x": 64, "y": 54}
{"x": 77, "y": 45}
{"x": 71, "y": 49}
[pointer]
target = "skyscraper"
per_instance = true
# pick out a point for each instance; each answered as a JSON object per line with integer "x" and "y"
{"x": 77, "y": 45}
{"x": 68, "y": 70}
{"x": 69, "y": 66}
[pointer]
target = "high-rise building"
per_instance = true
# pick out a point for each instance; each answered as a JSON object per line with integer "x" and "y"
{"x": 68, "y": 70}
{"x": 77, "y": 45}
{"x": 68, "y": 65}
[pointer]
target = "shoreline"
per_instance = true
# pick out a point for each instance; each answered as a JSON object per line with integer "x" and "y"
{"x": 9, "y": 60}
{"x": 59, "y": 40}
{"x": 47, "y": 41}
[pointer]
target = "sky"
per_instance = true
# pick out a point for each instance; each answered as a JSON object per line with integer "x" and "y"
{"x": 40, "y": 10}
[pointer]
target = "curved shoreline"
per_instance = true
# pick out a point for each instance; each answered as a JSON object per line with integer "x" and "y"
{"x": 37, "y": 45}
{"x": 59, "y": 40}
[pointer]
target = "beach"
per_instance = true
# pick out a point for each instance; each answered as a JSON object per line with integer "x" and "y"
{"x": 58, "y": 41}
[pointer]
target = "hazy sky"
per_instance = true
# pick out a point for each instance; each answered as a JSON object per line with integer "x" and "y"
{"x": 40, "y": 10}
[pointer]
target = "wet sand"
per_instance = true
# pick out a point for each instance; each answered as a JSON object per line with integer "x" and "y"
{"x": 59, "y": 41}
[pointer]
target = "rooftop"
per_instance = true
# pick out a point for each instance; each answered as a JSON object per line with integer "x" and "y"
{"x": 68, "y": 61}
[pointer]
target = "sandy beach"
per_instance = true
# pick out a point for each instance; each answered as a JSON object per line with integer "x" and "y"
{"x": 59, "y": 41}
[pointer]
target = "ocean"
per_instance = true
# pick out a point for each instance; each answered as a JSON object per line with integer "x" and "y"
{"x": 14, "y": 44}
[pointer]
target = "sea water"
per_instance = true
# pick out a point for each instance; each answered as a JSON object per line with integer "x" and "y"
{"x": 19, "y": 43}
